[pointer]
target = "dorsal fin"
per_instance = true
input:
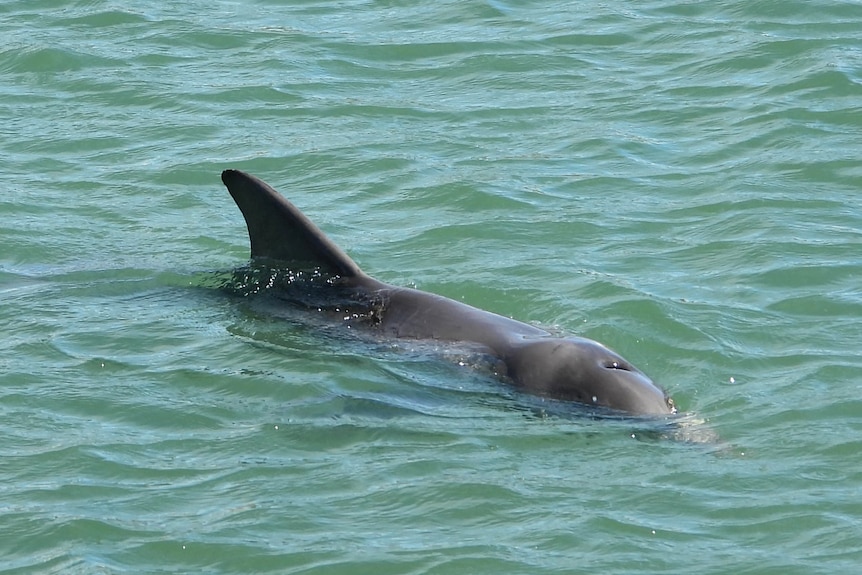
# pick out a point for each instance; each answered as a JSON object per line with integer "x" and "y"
{"x": 279, "y": 231}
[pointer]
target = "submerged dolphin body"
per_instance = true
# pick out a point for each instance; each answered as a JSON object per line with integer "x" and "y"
{"x": 571, "y": 368}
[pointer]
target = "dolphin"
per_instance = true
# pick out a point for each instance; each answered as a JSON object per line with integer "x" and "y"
{"x": 571, "y": 368}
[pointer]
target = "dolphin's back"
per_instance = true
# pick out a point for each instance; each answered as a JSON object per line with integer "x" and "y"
{"x": 572, "y": 368}
{"x": 279, "y": 231}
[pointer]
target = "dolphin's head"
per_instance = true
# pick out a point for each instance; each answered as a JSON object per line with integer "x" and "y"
{"x": 585, "y": 371}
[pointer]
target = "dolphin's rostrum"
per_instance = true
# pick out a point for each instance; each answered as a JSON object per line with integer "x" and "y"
{"x": 571, "y": 368}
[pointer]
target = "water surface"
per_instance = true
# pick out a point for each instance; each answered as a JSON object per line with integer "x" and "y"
{"x": 680, "y": 181}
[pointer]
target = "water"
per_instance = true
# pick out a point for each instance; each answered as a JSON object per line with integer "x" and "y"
{"x": 678, "y": 180}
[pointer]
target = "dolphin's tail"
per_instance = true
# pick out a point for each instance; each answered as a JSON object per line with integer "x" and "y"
{"x": 279, "y": 231}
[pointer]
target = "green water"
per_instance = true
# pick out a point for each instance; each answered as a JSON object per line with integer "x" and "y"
{"x": 678, "y": 180}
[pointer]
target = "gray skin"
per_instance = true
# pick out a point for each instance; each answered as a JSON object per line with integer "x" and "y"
{"x": 571, "y": 368}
